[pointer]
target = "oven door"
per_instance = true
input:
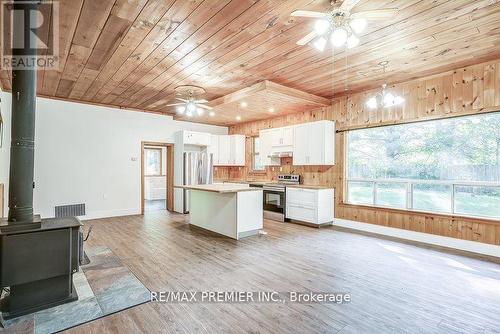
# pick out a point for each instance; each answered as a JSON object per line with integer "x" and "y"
{"x": 274, "y": 200}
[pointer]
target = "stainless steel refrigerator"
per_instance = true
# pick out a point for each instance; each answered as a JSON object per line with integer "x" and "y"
{"x": 198, "y": 169}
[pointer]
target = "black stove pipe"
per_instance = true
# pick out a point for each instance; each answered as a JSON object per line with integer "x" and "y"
{"x": 22, "y": 150}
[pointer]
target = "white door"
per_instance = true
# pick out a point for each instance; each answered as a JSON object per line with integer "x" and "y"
{"x": 301, "y": 145}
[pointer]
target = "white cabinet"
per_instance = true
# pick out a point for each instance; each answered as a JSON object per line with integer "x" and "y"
{"x": 301, "y": 145}
{"x": 275, "y": 143}
{"x": 266, "y": 138}
{"x": 228, "y": 150}
{"x": 213, "y": 148}
{"x": 284, "y": 136}
{"x": 196, "y": 138}
{"x": 314, "y": 143}
{"x": 313, "y": 206}
{"x": 237, "y": 154}
{"x": 224, "y": 152}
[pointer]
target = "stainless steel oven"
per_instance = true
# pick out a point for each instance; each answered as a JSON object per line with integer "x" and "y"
{"x": 274, "y": 198}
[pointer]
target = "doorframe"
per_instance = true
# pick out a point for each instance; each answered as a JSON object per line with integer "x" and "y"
{"x": 169, "y": 175}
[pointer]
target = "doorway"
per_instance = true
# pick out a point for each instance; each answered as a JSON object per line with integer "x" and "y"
{"x": 157, "y": 171}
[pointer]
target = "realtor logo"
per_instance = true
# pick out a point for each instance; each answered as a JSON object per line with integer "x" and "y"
{"x": 29, "y": 34}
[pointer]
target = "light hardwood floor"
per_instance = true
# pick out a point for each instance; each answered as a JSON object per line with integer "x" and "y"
{"x": 395, "y": 287}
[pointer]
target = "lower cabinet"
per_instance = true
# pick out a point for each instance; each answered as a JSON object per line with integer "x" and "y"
{"x": 313, "y": 206}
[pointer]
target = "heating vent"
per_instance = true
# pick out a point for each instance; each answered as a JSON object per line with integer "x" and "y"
{"x": 70, "y": 210}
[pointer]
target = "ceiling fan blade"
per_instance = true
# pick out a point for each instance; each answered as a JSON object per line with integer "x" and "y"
{"x": 200, "y": 101}
{"x": 307, "y": 38}
{"x": 307, "y": 13}
{"x": 377, "y": 14}
{"x": 347, "y": 5}
{"x": 175, "y": 104}
{"x": 204, "y": 106}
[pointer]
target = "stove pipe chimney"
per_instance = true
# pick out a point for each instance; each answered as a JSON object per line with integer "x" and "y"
{"x": 23, "y": 127}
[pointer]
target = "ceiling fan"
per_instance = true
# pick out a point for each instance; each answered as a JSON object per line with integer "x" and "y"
{"x": 340, "y": 24}
{"x": 190, "y": 102}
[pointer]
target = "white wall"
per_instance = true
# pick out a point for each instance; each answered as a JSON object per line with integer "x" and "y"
{"x": 90, "y": 154}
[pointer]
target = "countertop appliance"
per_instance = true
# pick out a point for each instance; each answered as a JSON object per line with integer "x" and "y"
{"x": 198, "y": 169}
{"x": 275, "y": 196}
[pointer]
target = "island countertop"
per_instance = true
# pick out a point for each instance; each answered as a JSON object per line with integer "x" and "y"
{"x": 220, "y": 187}
{"x": 262, "y": 183}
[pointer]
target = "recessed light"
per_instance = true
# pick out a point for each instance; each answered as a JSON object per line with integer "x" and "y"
{"x": 243, "y": 104}
{"x": 271, "y": 109}
{"x": 238, "y": 118}
{"x": 211, "y": 114}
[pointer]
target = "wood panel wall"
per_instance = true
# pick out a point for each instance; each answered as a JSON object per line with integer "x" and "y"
{"x": 469, "y": 90}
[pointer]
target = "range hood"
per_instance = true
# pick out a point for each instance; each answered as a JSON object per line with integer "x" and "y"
{"x": 282, "y": 154}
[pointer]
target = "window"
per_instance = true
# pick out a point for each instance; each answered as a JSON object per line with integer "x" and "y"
{"x": 449, "y": 166}
{"x": 152, "y": 161}
{"x": 257, "y": 165}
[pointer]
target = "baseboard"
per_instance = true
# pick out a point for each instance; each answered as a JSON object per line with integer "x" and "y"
{"x": 464, "y": 245}
{"x": 110, "y": 213}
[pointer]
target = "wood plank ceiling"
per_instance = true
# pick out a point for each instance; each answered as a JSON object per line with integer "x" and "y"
{"x": 133, "y": 53}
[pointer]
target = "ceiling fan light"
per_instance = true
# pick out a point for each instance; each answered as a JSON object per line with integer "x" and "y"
{"x": 398, "y": 100}
{"x": 189, "y": 113}
{"x": 358, "y": 25}
{"x": 200, "y": 111}
{"x": 338, "y": 37}
{"x": 191, "y": 107}
{"x": 371, "y": 103}
{"x": 181, "y": 109}
{"x": 388, "y": 100}
{"x": 352, "y": 41}
{"x": 321, "y": 26}
{"x": 320, "y": 43}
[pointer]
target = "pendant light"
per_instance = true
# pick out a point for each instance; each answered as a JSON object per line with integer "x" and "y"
{"x": 384, "y": 98}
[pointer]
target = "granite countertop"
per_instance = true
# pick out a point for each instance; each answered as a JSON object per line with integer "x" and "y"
{"x": 219, "y": 188}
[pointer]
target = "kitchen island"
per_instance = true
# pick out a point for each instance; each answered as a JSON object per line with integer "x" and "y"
{"x": 233, "y": 210}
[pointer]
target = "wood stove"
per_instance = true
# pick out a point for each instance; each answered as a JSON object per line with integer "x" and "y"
{"x": 37, "y": 257}
{"x": 38, "y": 265}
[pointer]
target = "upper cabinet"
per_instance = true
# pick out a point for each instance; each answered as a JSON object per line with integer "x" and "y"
{"x": 228, "y": 150}
{"x": 237, "y": 154}
{"x": 213, "y": 148}
{"x": 282, "y": 136}
{"x": 196, "y": 138}
{"x": 266, "y": 139}
{"x": 309, "y": 144}
{"x": 314, "y": 143}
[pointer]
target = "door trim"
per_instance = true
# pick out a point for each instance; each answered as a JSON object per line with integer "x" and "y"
{"x": 170, "y": 173}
